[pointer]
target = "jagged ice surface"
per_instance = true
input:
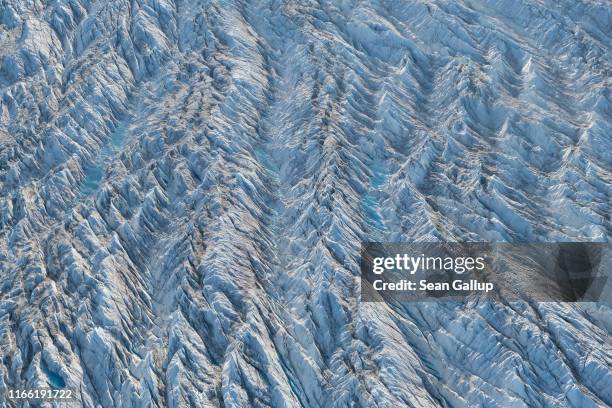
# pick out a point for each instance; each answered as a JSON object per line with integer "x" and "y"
{"x": 184, "y": 186}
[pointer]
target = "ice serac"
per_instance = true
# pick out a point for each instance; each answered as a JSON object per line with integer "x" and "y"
{"x": 184, "y": 186}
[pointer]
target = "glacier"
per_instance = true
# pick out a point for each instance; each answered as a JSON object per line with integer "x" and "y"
{"x": 185, "y": 184}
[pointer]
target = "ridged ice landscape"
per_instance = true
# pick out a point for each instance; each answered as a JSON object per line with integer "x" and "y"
{"x": 185, "y": 185}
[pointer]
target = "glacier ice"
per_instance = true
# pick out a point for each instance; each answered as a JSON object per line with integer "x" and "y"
{"x": 184, "y": 186}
